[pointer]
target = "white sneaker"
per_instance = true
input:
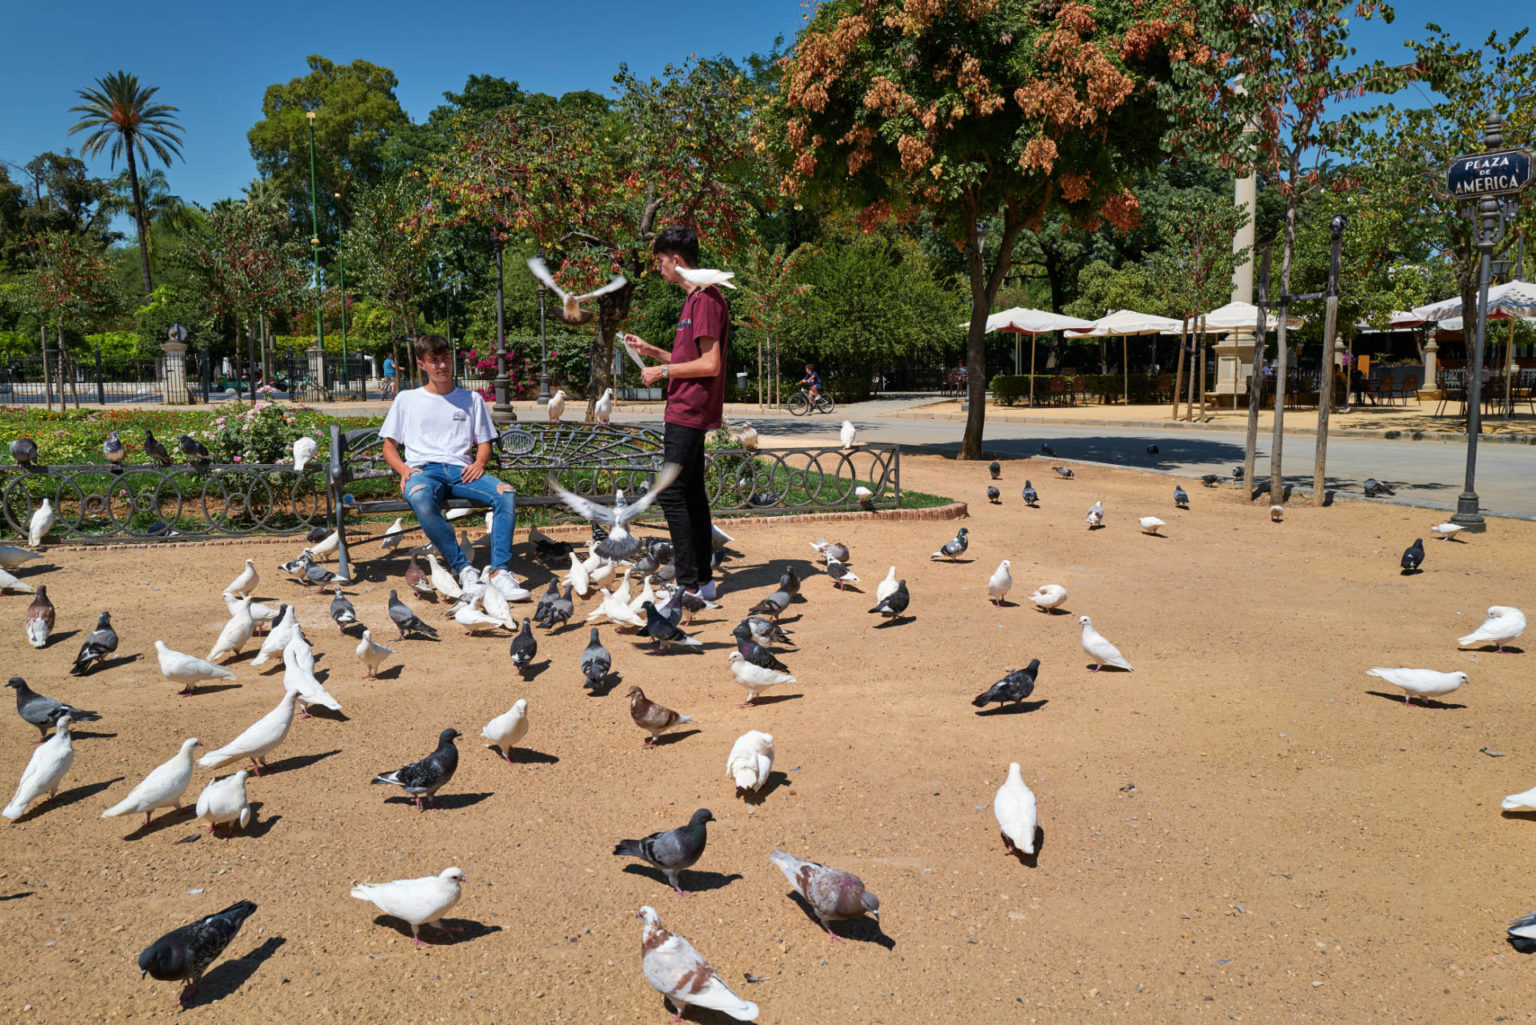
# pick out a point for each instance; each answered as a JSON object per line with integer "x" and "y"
{"x": 468, "y": 578}
{"x": 506, "y": 585}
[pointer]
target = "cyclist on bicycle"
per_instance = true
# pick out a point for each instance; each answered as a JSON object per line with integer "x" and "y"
{"x": 811, "y": 382}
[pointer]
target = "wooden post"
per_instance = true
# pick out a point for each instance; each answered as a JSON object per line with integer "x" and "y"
{"x": 1178, "y": 372}
{"x": 1200, "y": 355}
{"x": 1325, "y": 386}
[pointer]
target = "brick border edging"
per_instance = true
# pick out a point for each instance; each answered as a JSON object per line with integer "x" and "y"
{"x": 952, "y": 511}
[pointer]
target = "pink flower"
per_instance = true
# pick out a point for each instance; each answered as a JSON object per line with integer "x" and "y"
{"x": 237, "y": 459}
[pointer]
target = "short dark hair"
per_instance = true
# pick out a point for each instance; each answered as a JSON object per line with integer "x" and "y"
{"x": 430, "y": 345}
{"x": 678, "y": 240}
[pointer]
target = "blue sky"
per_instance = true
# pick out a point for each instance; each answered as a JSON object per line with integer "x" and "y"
{"x": 214, "y": 60}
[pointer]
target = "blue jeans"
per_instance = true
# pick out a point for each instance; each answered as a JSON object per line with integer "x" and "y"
{"x": 426, "y": 491}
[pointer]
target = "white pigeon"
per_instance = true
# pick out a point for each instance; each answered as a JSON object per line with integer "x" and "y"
{"x": 571, "y": 304}
{"x": 278, "y": 636}
{"x": 10, "y": 583}
{"x": 304, "y": 449}
{"x": 507, "y": 729}
{"x": 389, "y": 544}
{"x": 604, "y": 408}
{"x": 1151, "y": 525}
{"x": 648, "y": 594}
{"x": 331, "y": 542}
{"x": 1446, "y": 531}
{"x": 887, "y": 587}
{"x": 244, "y": 584}
{"x": 680, "y": 973}
{"x": 755, "y": 677}
{"x": 1504, "y": 623}
{"x": 1277, "y": 514}
{"x": 50, "y": 761}
{"x": 236, "y": 632}
{"x": 1096, "y": 514}
{"x": 618, "y": 612}
{"x": 556, "y": 406}
{"x": 224, "y": 800}
{"x": 618, "y": 515}
{"x": 847, "y": 434}
{"x": 863, "y": 494}
{"x": 442, "y": 579}
{"x": 1423, "y": 683}
{"x": 309, "y": 689}
{"x": 15, "y": 558}
{"x": 1520, "y": 802}
{"x": 1048, "y": 597}
{"x": 372, "y": 654}
{"x": 1016, "y": 813}
{"x": 476, "y": 622}
{"x": 297, "y": 652}
{"x": 496, "y": 607}
{"x": 751, "y": 760}
{"x": 418, "y": 901}
{"x": 622, "y": 592}
{"x": 717, "y": 537}
{"x": 1100, "y": 650}
{"x": 162, "y": 788}
{"x": 706, "y": 276}
{"x": 1000, "y": 583}
{"x": 598, "y": 569}
{"x": 188, "y": 670}
{"x": 457, "y": 514}
{"x": 747, "y": 436}
{"x": 576, "y": 577}
{"x": 41, "y": 523}
{"x": 258, "y": 740}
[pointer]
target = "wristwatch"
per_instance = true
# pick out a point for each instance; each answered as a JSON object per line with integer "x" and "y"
{"x": 666, "y": 371}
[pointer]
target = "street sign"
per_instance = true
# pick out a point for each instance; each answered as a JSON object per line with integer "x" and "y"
{"x": 1499, "y": 173}
{"x": 177, "y": 333}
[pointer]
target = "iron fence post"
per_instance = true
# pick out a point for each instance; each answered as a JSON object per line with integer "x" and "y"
{"x": 101, "y": 388}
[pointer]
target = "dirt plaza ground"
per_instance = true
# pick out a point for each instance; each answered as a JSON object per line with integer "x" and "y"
{"x": 1246, "y": 828}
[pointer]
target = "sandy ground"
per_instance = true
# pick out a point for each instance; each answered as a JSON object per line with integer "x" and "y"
{"x": 1246, "y": 828}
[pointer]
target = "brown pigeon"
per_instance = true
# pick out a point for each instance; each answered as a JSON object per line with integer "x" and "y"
{"x": 654, "y": 718}
{"x": 833, "y": 894}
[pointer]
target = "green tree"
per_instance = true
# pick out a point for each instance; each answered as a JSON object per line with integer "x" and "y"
{"x": 1009, "y": 110}
{"x": 390, "y": 263}
{"x": 120, "y": 118}
{"x": 247, "y": 267}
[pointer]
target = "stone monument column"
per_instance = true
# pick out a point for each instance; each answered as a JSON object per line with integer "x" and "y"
{"x": 174, "y": 374}
{"x": 316, "y": 356}
{"x": 1430, "y": 389}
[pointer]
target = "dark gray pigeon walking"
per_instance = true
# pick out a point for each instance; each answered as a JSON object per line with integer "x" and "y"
{"x": 342, "y": 611}
{"x": 994, "y": 496}
{"x": 1375, "y": 488}
{"x": 43, "y": 712}
{"x": 690, "y": 604}
{"x": 954, "y": 547}
{"x": 1064, "y": 471}
{"x": 595, "y": 662}
{"x": 665, "y": 632}
{"x": 835, "y": 895}
{"x": 1030, "y": 495}
{"x": 1016, "y": 687}
{"x": 1210, "y": 480}
{"x": 758, "y": 655}
{"x": 763, "y": 631}
{"x": 772, "y": 606}
{"x": 1180, "y": 497}
{"x": 525, "y": 648}
{"x": 405, "y": 620}
{"x": 422, "y": 779}
{"x": 672, "y": 850}
{"x": 184, "y": 954}
{"x": 154, "y": 450}
{"x": 98, "y": 644}
{"x": 114, "y": 450}
{"x": 551, "y": 592}
{"x": 1413, "y": 557}
{"x": 995, "y": 469}
{"x": 895, "y": 603}
{"x": 560, "y": 610}
{"x": 789, "y": 581}
{"x": 319, "y": 575}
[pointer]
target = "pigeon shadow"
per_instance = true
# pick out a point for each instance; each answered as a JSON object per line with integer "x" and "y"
{"x": 75, "y": 734}
{"x": 1520, "y": 814}
{"x": 850, "y": 589}
{"x": 1053, "y": 613}
{"x": 1522, "y": 944}
{"x": 1397, "y": 699}
{"x": 953, "y": 562}
{"x": 864, "y": 928}
{"x": 537, "y": 669}
{"x": 328, "y": 714}
{"x": 605, "y": 685}
{"x": 434, "y": 935}
{"x": 1103, "y": 668}
{"x": 67, "y": 798}
{"x": 673, "y": 738}
{"x": 692, "y": 881}
{"x": 62, "y": 635}
{"x": 16, "y": 896}
{"x": 211, "y": 688}
{"x": 1410, "y": 572}
{"x": 528, "y": 756}
{"x": 442, "y": 802}
{"x": 775, "y": 780}
{"x": 773, "y": 699}
{"x": 1160, "y": 537}
{"x": 297, "y": 762}
{"x": 1491, "y": 649}
{"x": 257, "y": 828}
{"x": 392, "y": 673}
{"x": 896, "y": 621}
{"x": 1022, "y": 708}
{"x": 113, "y": 663}
{"x": 231, "y": 975}
{"x": 175, "y": 817}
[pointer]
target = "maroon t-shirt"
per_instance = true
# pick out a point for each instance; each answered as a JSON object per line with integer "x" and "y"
{"x": 698, "y": 401}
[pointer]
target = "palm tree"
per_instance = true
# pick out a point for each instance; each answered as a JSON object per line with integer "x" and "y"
{"x": 119, "y": 112}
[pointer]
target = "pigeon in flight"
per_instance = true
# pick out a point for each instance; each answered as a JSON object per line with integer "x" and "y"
{"x": 184, "y": 954}
{"x": 620, "y": 543}
{"x": 706, "y": 276}
{"x": 423, "y": 778}
{"x": 1017, "y": 686}
{"x": 671, "y": 850}
{"x": 44, "y": 712}
{"x": 954, "y": 547}
{"x": 1413, "y": 557}
{"x": 570, "y": 305}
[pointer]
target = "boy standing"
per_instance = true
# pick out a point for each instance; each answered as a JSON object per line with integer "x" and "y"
{"x": 446, "y": 433}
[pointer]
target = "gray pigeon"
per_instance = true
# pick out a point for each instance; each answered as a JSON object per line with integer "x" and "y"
{"x": 789, "y": 582}
{"x": 185, "y": 953}
{"x": 672, "y": 850}
{"x": 196, "y": 452}
{"x": 763, "y": 631}
{"x": 1180, "y": 497}
{"x": 835, "y": 895}
{"x": 405, "y": 620}
{"x": 1015, "y": 687}
{"x": 995, "y": 469}
{"x": 595, "y": 662}
{"x": 994, "y": 496}
{"x": 954, "y": 547}
{"x": 551, "y": 592}
{"x": 1064, "y": 471}
{"x": 689, "y": 602}
{"x": 1237, "y": 473}
{"x": 895, "y": 603}
{"x": 114, "y": 450}
{"x": 665, "y": 632}
{"x": 422, "y": 779}
{"x": 156, "y": 451}
{"x": 342, "y": 611}
{"x": 1045, "y": 449}
{"x": 44, "y": 712}
{"x": 758, "y": 655}
{"x": 1031, "y": 497}
{"x": 98, "y": 644}
{"x": 560, "y": 610}
{"x": 314, "y": 574}
{"x": 1210, "y": 480}
{"x": 24, "y": 451}
{"x": 772, "y": 606}
{"x": 1375, "y": 488}
{"x": 525, "y": 648}
{"x": 1413, "y": 557}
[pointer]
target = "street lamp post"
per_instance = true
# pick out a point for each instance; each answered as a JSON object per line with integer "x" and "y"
{"x": 501, "y": 411}
{"x": 314, "y": 243}
{"x": 341, "y": 274}
{"x": 543, "y": 349}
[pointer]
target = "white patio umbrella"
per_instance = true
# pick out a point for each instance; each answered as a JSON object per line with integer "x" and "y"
{"x": 1512, "y": 299}
{"x": 1240, "y": 315}
{"x": 1124, "y": 323}
{"x": 1031, "y": 322}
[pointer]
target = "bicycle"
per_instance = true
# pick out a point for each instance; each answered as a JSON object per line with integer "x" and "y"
{"x": 799, "y": 404}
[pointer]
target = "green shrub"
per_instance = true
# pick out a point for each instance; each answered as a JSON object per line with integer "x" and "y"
{"x": 1008, "y": 389}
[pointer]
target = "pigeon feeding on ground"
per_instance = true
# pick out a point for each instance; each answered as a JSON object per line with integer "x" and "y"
{"x": 835, "y": 895}
{"x": 224, "y": 802}
{"x": 1180, "y": 497}
{"x": 1100, "y": 650}
{"x": 671, "y": 850}
{"x": 44, "y": 712}
{"x": 417, "y": 902}
{"x": 318, "y": 575}
{"x": 1151, "y": 525}
{"x": 1504, "y": 623}
{"x": 1030, "y": 495}
{"x": 1413, "y": 557}
{"x": 188, "y": 670}
{"x": 754, "y": 677}
{"x": 1420, "y": 683}
{"x": 620, "y": 544}
{"x": 750, "y": 761}
{"x": 1095, "y": 517}
{"x": 1048, "y": 597}
{"x": 1017, "y": 686}
{"x": 651, "y": 717}
{"x": 595, "y": 662}
{"x": 44, "y": 771}
{"x": 1064, "y": 471}
{"x": 162, "y": 788}
{"x": 98, "y": 644}
{"x": 680, "y": 974}
{"x": 831, "y": 550}
{"x": 559, "y": 611}
{"x": 259, "y": 739}
{"x": 184, "y": 954}
{"x": 1210, "y": 480}
{"x": 570, "y": 311}
{"x": 8, "y": 582}
{"x": 525, "y": 648}
{"x": 1017, "y": 817}
{"x": 407, "y": 621}
{"x": 894, "y": 604}
{"x": 548, "y": 551}
{"x": 1000, "y": 583}
{"x": 1447, "y": 531}
{"x": 422, "y": 779}
{"x": 507, "y": 729}
{"x": 39, "y": 619}
{"x": 994, "y": 496}
{"x": 1375, "y": 488}
{"x": 774, "y": 605}
{"x": 954, "y": 547}
{"x": 12, "y": 557}
{"x": 766, "y": 631}
{"x": 665, "y": 632}
{"x": 24, "y": 451}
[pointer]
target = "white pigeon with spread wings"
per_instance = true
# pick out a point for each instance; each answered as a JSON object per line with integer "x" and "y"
{"x": 706, "y": 276}
{"x": 620, "y": 543}
{"x": 570, "y": 305}
{"x": 680, "y": 973}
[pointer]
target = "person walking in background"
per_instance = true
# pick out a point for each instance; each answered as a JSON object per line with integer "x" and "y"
{"x": 694, "y": 376}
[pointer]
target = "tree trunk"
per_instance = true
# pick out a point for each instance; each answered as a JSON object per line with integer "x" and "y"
{"x": 600, "y": 374}
{"x": 66, "y": 370}
{"x": 138, "y": 217}
{"x": 1282, "y": 358}
{"x": 1178, "y": 373}
{"x": 1200, "y": 355}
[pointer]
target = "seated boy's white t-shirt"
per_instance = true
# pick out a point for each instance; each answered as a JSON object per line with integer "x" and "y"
{"x": 438, "y": 428}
